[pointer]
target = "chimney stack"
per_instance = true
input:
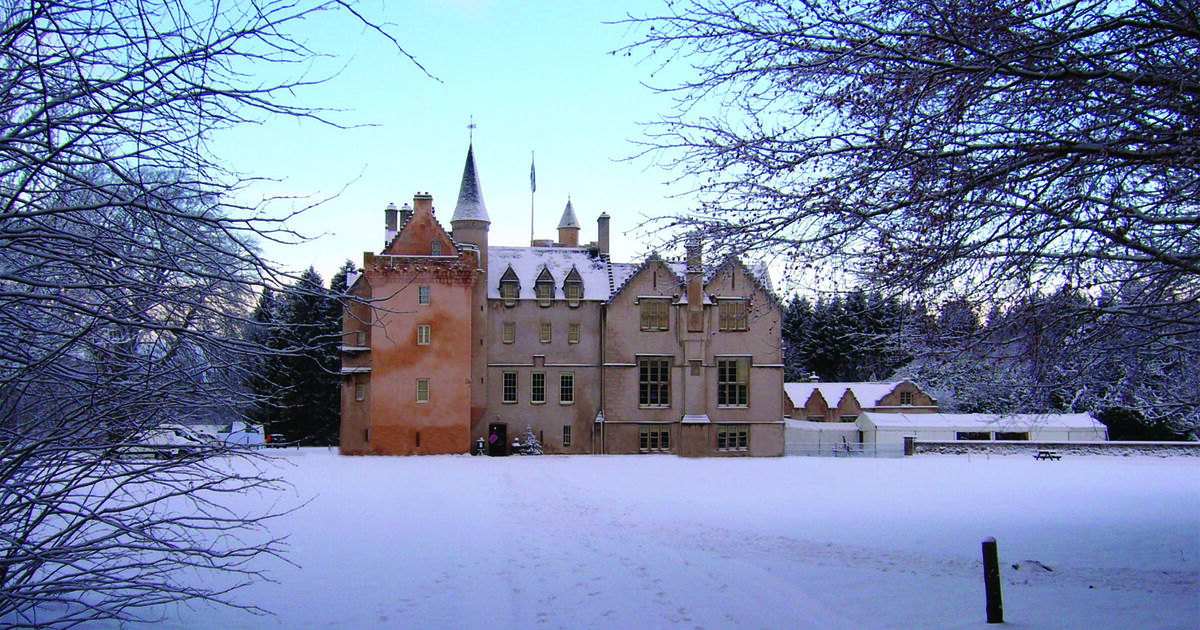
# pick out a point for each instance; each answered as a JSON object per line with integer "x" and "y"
{"x": 423, "y": 202}
{"x": 695, "y": 284}
{"x": 406, "y": 213}
{"x": 602, "y": 233}
{"x": 389, "y": 217}
{"x": 389, "y": 224}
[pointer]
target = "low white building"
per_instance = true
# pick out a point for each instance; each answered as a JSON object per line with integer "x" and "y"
{"x": 890, "y": 429}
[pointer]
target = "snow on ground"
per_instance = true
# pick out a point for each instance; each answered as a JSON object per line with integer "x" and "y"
{"x": 663, "y": 542}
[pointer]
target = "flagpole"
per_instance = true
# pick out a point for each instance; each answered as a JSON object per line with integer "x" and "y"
{"x": 532, "y": 189}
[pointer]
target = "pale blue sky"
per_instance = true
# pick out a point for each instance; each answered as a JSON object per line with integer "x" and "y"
{"x": 536, "y": 76}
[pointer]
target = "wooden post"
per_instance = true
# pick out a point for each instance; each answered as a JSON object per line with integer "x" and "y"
{"x": 991, "y": 581}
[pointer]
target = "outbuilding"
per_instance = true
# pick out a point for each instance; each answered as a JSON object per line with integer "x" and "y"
{"x": 890, "y": 429}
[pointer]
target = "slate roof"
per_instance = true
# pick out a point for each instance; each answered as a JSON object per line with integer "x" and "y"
{"x": 867, "y": 394}
{"x": 527, "y": 263}
{"x": 569, "y": 220}
{"x": 470, "y": 194}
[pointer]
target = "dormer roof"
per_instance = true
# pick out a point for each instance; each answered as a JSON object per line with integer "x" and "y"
{"x": 470, "y": 194}
{"x": 569, "y": 220}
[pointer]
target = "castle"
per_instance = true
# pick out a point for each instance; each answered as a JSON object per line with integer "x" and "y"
{"x": 454, "y": 346}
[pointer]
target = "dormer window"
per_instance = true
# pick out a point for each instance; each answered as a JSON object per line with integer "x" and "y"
{"x": 509, "y": 292}
{"x": 510, "y": 288}
{"x": 543, "y": 288}
{"x": 573, "y": 288}
{"x": 545, "y": 293}
{"x": 573, "y": 292}
{"x": 435, "y": 248}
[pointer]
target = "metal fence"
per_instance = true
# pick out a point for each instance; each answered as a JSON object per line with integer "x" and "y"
{"x": 827, "y": 449}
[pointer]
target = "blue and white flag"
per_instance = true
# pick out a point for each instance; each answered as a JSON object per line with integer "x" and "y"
{"x": 532, "y": 175}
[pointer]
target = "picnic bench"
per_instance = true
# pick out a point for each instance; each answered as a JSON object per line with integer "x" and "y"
{"x": 1047, "y": 455}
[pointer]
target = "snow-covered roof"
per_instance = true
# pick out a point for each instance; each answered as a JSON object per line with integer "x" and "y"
{"x": 980, "y": 421}
{"x": 867, "y": 394}
{"x": 569, "y": 220}
{"x": 470, "y": 194}
{"x": 528, "y": 263}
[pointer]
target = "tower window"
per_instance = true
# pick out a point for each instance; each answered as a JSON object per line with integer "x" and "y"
{"x": 435, "y": 248}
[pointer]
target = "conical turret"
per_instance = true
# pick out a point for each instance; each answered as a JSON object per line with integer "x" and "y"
{"x": 470, "y": 222}
{"x": 470, "y": 195}
{"x": 568, "y": 227}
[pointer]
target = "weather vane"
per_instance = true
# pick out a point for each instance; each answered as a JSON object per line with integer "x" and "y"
{"x": 471, "y": 129}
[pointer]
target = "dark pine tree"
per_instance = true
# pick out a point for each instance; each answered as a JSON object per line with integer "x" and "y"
{"x": 309, "y": 393}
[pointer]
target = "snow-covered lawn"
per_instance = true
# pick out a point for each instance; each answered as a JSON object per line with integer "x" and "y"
{"x": 663, "y": 542}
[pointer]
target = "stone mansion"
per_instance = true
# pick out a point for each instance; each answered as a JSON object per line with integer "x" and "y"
{"x": 453, "y": 343}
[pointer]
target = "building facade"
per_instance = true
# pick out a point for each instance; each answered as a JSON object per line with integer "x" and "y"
{"x": 454, "y": 345}
{"x": 815, "y": 401}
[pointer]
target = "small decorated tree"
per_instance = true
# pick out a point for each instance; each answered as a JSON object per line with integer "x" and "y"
{"x": 530, "y": 445}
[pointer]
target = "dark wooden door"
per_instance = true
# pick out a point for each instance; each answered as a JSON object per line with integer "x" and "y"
{"x": 497, "y": 440}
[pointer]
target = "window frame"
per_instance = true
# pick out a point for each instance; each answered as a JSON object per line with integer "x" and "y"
{"x": 649, "y": 366}
{"x": 537, "y": 388}
{"x": 733, "y": 393}
{"x": 544, "y": 292}
{"x": 654, "y": 438}
{"x": 546, "y": 332}
{"x": 654, "y": 314}
{"x": 566, "y": 388}
{"x": 510, "y": 292}
{"x": 573, "y": 292}
{"x": 508, "y": 332}
{"x": 360, "y": 392}
{"x": 424, "y": 295}
{"x": 435, "y": 248}
{"x": 423, "y": 390}
{"x": 424, "y": 334}
{"x": 733, "y": 438}
{"x": 733, "y": 315}
{"x": 506, "y": 388}
{"x": 906, "y": 399}
{"x": 574, "y": 332}
{"x": 566, "y": 435}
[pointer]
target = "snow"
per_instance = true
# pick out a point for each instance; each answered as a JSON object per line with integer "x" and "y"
{"x": 528, "y": 262}
{"x": 868, "y": 394}
{"x": 665, "y": 542}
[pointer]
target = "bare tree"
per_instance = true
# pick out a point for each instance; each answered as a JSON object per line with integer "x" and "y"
{"x": 936, "y": 148}
{"x": 126, "y": 280}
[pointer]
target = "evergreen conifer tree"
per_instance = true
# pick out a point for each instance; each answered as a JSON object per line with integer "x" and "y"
{"x": 530, "y": 445}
